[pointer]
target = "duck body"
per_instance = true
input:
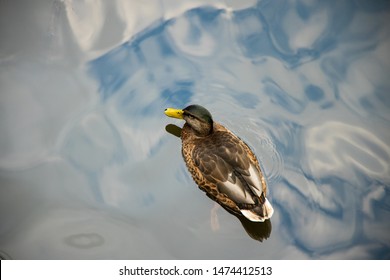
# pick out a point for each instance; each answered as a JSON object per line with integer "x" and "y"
{"x": 223, "y": 165}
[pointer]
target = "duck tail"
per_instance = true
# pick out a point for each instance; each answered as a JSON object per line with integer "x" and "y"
{"x": 260, "y": 213}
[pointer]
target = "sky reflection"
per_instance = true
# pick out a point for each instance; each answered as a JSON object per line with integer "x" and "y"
{"x": 87, "y": 169}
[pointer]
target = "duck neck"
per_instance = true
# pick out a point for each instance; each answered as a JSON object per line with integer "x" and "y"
{"x": 202, "y": 130}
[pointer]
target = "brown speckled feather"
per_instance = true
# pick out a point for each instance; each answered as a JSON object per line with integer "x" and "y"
{"x": 225, "y": 168}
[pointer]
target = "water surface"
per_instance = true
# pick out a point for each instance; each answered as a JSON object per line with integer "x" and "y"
{"x": 88, "y": 170}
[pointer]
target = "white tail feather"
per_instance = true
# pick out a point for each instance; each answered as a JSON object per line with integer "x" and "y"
{"x": 254, "y": 215}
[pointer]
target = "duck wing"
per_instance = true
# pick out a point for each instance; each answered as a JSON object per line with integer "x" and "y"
{"x": 224, "y": 161}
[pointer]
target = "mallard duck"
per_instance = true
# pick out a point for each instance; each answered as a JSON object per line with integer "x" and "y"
{"x": 222, "y": 165}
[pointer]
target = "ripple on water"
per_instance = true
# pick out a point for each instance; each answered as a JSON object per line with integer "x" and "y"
{"x": 272, "y": 160}
{"x": 304, "y": 83}
{"x": 4, "y": 256}
{"x": 84, "y": 240}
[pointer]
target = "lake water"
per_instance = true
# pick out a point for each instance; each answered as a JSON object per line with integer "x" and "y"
{"x": 89, "y": 171}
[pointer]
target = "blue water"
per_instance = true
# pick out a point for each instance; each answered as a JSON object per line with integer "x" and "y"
{"x": 304, "y": 83}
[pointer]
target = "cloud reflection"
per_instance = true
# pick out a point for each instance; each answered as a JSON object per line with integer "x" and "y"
{"x": 84, "y": 154}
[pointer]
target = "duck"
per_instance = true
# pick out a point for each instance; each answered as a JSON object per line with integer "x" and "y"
{"x": 222, "y": 165}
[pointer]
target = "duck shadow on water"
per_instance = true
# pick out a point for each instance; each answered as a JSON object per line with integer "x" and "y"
{"x": 259, "y": 231}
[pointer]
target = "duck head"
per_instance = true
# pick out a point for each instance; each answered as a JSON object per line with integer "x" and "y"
{"x": 197, "y": 117}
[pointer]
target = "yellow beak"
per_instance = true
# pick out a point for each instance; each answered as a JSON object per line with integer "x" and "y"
{"x": 174, "y": 113}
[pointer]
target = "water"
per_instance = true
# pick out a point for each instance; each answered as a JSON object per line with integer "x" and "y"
{"x": 88, "y": 170}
